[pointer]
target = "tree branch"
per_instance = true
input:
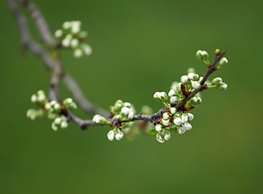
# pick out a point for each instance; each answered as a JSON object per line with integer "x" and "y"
{"x": 49, "y": 62}
{"x": 52, "y": 62}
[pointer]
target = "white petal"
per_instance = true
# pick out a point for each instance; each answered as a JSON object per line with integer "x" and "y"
{"x": 110, "y": 135}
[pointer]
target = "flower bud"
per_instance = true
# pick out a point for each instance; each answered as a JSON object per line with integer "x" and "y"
{"x": 58, "y": 33}
{"x": 216, "y": 81}
{"x": 195, "y": 84}
{"x": 222, "y": 86}
{"x": 223, "y": 61}
{"x": 160, "y": 96}
{"x": 177, "y": 121}
{"x": 33, "y": 98}
{"x": 166, "y": 116}
{"x": 203, "y": 56}
{"x": 64, "y": 124}
{"x": 190, "y": 116}
{"x": 158, "y": 127}
{"x": 184, "y": 79}
{"x": 174, "y": 99}
{"x": 119, "y": 135}
{"x": 171, "y": 93}
{"x": 87, "y": 49}
{"x": 57, "y": 121}
{"x": 173, "y": 110}
{"x": 67, "y": 25}
{"x": 184, "y": 118}
{"x": 110, "y": 135}
{"x": 99, "y": 119}
{"x": 187, "y": 126}
{"x": 78, "y": 53}
{"x": 192, "y": 76}
{"x": 165, "y": 122}
{"x": 159, "y": 138}
{"x": 74, "y": 43}
{"x": 181, "y": 130}
{"x": 167, "y": 135}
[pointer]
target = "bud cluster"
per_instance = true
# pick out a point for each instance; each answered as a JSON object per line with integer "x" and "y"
{"x": 71, "y": 36}
{"x": 115, "y": 133}
{"x": 217, "y": 83}
{"x": 203, "y": 56}
{"x": 52, "y": 109}
{"x": 123, "y": 111}
{"x": 180, "y": 120}
{"x": 172, "y": 121}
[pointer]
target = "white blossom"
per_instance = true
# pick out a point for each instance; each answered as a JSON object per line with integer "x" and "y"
{"x": 74, "y": 42}
{"x": 184, "y": 79}
{"x": 66, "y": 42}
{"x": 64, "y": 124}
{"x": 171, "y": 93}
{"x": 119, "y": 135}
{"x": 184, "y": 118}
{"x": 98, "y": 119}
{"x": 159, "y": 138}
{"x": 187, "y": 126}
{"x": 167, "y": 135}
{"x": 78, "y": 53}
{"x": 195, "y": 84}
{"x": 166, "y": 116}
{"x": 177, "y": 121}
{"x": 111, "y": 135}
{"x": 58, "y": 33}
{"x": 87, "y": 50}
{"x": 173, "y": 110}
{"x": 158, "y": 127}
{"x": 190, "y": 116}
{"x": 33, "y": 98}
{"x": 75, "y": 28}
{"x": 165, "y": 122}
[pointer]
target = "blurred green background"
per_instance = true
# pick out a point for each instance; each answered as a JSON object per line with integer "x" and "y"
{"x": 139, "y": 47}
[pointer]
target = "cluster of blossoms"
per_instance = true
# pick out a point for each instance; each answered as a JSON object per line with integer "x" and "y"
{"x": 173, "y": 119}
{"x": 52, "y": 109}
{"x": 182, "y": 97}
{"x": 121, "y": 114}
{"x": 71, "y": 36}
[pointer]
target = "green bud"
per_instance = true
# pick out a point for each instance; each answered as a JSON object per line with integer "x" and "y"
{"x": 222, "y": 86}
{"x": 83, "y": 34}
{"x": 217, "y": 52}
{"x": 99, "y": 119}
{"x": 68, "y": 102}
{"x": 33, "y": 113}
{"x": 203, "y": 56}
{"x": 216, "y": 81}
{"x": 222, "y": 62}
{"x": 161, "y": 97}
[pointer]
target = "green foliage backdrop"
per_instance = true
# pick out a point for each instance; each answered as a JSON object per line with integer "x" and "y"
{"x": 139, "y": 47}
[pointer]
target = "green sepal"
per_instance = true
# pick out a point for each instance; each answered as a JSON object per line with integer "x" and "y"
{"x": 152, "y": 131}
